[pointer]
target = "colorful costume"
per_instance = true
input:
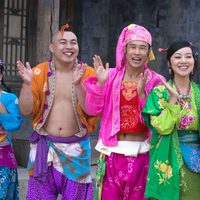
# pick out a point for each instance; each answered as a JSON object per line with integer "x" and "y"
{"x": 120, "y": 107}
{"x": 175, "y": 145}
{"x": 11, "y": 121}
{"x": 65, "y": 160}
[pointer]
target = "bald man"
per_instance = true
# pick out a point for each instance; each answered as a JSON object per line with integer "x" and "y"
{"x": 52, "y": 92}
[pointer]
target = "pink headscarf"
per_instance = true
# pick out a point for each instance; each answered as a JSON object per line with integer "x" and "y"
{"x": 130, "y": 33}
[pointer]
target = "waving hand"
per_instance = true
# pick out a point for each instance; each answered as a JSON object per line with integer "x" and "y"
{"x": 78, "y": 73}
{"x": 101, "y": 72}
{"x": 142, "y": 84}
{"x": 173, "y": 93}
{"x": 25, "y": 72}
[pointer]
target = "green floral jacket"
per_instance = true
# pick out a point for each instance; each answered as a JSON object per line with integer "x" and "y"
{"x": 165, "y": 167}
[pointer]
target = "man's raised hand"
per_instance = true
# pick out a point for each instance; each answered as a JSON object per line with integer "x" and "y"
{"x": 25, "y": 72}
{"x": 102, "y": 72}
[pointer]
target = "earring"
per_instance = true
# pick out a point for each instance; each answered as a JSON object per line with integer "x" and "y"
{"x": 170, "y": 71}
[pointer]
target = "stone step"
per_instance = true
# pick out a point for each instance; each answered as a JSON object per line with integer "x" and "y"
{"x": 23, "y": 182}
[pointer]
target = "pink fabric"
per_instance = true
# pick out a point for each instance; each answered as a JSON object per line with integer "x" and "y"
{"x": 105, "y": 100}
{"x": 125, "y": 177}
{"x": 130, "y": 33}
{"x": 7, "y": 157}
{"x": 136, "y": 32}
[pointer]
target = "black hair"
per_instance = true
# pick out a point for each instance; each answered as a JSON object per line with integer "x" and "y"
{"x": 5, "y": 86}
{"x": 179, "y": 45}
{"x": 2, "y": 68}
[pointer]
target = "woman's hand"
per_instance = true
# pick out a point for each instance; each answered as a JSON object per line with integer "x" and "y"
{"x": 102, "y": 72}
{"x": 173, "y": 93}
{"x": 25, "y": 72}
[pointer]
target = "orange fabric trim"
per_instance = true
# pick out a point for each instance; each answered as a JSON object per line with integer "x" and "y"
{"x": 39, "y": 79}
{"x": 30, "y": 172}
{"x": 2, "y": 138}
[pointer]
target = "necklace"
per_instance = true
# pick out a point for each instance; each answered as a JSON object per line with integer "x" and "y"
{"x": 183, "y": 97}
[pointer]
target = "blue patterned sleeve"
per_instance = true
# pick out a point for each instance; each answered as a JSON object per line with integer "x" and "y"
{"x": 12, "y": 120}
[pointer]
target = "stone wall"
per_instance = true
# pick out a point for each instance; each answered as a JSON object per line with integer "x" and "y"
{"x": 167, "y": 20}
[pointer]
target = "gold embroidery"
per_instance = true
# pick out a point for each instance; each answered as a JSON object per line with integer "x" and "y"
{"x": 164, "y": 171}
{"x": 129, "y": 89}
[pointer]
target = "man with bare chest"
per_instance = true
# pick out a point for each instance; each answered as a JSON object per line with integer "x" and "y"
{"x": 62, "y": 108}
{"x": 52, "y": 92}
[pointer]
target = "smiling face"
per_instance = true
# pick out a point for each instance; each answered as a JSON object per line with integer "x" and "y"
{"x": 64, "y": 48}
{"x": 137, "y": 53}
{"x": 182, "y": 62}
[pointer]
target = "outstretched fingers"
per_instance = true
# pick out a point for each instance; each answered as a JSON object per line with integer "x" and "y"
{"x": 84, "y": 66}
{"x": 78, "y": 73}
{"x": 81, "y": 68}
{"x": 165, "y": 83}
{"x": 97, "y": 62}
{"x": 25, "y": 72}
{"x": 172, "y": 91}
{"x": 28, "y": 65}
{"x": 20, "y": 65}
{"x": 107, "y": 66}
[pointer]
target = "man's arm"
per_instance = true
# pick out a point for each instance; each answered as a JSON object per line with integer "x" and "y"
{"x": 25, "y": 98}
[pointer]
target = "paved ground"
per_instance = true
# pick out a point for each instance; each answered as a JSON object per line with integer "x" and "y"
{"x": 23, "y": 176}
